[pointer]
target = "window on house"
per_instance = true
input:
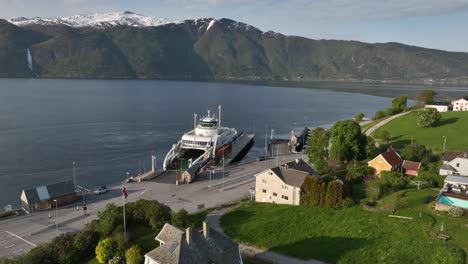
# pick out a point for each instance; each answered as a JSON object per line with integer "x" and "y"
{"x": 270, "y": 173}
{"x": 284, "y": 197}
{"x": 284, "y": 187}
{"x": 263, "y": 180}
{"x": 263, "y": 190}
{"x": 458, "y": 165}
{"x": 275, "y": 194}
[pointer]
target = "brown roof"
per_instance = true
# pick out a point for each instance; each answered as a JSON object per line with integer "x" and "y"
{"x": 411, "y": 165}
{"x": 392, "y": 157}
{"x": 450, "y": 155}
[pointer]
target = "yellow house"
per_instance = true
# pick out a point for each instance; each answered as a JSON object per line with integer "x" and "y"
{"x": 388, "y": 160}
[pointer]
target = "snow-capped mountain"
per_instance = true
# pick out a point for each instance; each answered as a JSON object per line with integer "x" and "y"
{"x": 99, "y": 20}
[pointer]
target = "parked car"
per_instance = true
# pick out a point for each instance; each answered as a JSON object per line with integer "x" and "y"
{"x": 101, "y": 190}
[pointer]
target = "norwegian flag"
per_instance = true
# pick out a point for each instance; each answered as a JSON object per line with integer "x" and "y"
{"x": 124, "y": 191}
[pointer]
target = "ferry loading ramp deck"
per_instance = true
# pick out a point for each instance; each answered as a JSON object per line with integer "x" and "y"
{"x": 239, "y": 148}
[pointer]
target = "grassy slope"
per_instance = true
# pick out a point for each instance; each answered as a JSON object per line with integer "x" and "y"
{"x": 349, "y": 235}
{"x": 454, "y": 126}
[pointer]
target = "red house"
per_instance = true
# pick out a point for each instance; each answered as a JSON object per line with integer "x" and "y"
{"x": 410, "y": 168}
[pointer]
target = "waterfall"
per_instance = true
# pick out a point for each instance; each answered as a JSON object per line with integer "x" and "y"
{"x": 29, "y": 57}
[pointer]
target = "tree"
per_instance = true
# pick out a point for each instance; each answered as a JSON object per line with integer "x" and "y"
{"x": 334, "y": 194}
{"x": 105, "y": 250}
{"x": 379, "y": 115}
{"x": 424, "y": 97}
{"x": 399, "y": 104}
{"x": 134, "y": 255}
{"x": 385, "y": 137}
{"x": 180, "y": 219}
{"x": 371, "y": 149}
{"x": 317, "y": 144}
{"x": 416, "y": 152}
{"x": 392, "y": 181}
{"x": 310, "y": 191}
{"x": 430, "y": 117}
{"x": 357, "y": 171}
{"x": 347, "y": 141}
{"x": 358, "y": 117}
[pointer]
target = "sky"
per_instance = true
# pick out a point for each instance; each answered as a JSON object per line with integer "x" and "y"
{"x": 440, "y": 24}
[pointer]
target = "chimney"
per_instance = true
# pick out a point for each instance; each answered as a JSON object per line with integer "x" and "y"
{"x": 206, "y": 230}
{"x": 188, "y": 235}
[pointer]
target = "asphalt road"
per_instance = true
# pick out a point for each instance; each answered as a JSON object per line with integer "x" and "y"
{"x": 18, "y": 235}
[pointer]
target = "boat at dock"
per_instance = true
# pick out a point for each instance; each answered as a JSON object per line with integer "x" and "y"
{"x": 207, "y": 141}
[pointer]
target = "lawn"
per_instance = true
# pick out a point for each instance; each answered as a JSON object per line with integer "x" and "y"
{"x": 454, "y": 126}
{"x": 350, "y": 235}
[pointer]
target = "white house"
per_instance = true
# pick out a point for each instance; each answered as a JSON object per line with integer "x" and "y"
{"x": 440, "y": 107}
{"x": 460, "y": 105}
{"x": 455, "y": 163}
{"x": 282, "y": 184}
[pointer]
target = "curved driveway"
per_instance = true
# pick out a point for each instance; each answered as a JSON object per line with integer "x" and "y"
{"x": 373, "y": 128}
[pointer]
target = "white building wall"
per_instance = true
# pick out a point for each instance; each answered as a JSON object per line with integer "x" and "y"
{"x": 439, "y": 108}
{"x": 267, "y": 184}
{"x": 461, "y": 165}
{"x": 460, "y": 105}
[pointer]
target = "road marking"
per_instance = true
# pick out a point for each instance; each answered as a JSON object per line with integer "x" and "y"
{"x": 34, "y": 245}
{"x": 11, "y": 245}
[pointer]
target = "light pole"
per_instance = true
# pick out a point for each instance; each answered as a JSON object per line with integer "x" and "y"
{"x": 56, "y": 214}
{"x": 445, "y": 142}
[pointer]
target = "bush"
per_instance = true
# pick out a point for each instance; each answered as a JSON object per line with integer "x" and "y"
{"x": 373, "y": 189}
{"x": 378, "y": 115}
{"x": 433, "y": 179}
{"x": 392, "y": 181}
{"x": 116, "y": 260}
{"x": 334, "y": 194}
{"x": 134, "y": 255}
{"x": 419, "y": 153}
{"x": 358, "y": 117}
{"x": 6, "y": 214}
{"x": 430, "y": 117}
{"x": 105, "y": 250}
{"x": 310, "y": 192}
{"x": 347, "y": 203}
{"x": 180, "y": 219}
{"x": 456, "y": 212}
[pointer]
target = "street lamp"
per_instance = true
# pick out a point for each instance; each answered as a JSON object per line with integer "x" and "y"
{"x": 56, "y": 214}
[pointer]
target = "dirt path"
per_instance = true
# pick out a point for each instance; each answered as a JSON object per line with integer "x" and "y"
{"x": 373, "y": 128}
{"x": 213, "y": 220}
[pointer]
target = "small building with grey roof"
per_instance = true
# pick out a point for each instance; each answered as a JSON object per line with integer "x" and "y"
{"x": 203, "y": 245}
{"x": 46, "y": 196}
{"x": 282, "y": 184}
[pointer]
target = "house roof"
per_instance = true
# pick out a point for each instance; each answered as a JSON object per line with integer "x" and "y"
{"x": 456, "y": 179}
{"x": 294, "y": 173}
{"x": 448, "y": 167}
{"x": 451, "y": 155}
{"x": 216, "y": 248}
{"x": 411, "y": 165}
{"x": 47, "y": 192}
{"x": 391, "y": 156}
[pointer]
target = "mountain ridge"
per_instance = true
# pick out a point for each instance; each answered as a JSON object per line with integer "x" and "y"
{"x": 217, "y": 49}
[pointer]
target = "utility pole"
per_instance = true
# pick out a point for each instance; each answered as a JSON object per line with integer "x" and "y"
{"x": 74, "y": 178}
{"x": 445, "y": 142}
{"x": 56, "y": 215}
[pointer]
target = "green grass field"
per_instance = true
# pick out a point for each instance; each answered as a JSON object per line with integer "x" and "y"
{"x": 351, "y": 235}
{"x": 454, "y": 126}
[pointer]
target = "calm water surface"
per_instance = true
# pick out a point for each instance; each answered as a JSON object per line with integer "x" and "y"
{"x": 107, "y": 126}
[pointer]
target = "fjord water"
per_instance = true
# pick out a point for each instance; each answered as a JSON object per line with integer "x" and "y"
{"x": 106, "y": 127}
